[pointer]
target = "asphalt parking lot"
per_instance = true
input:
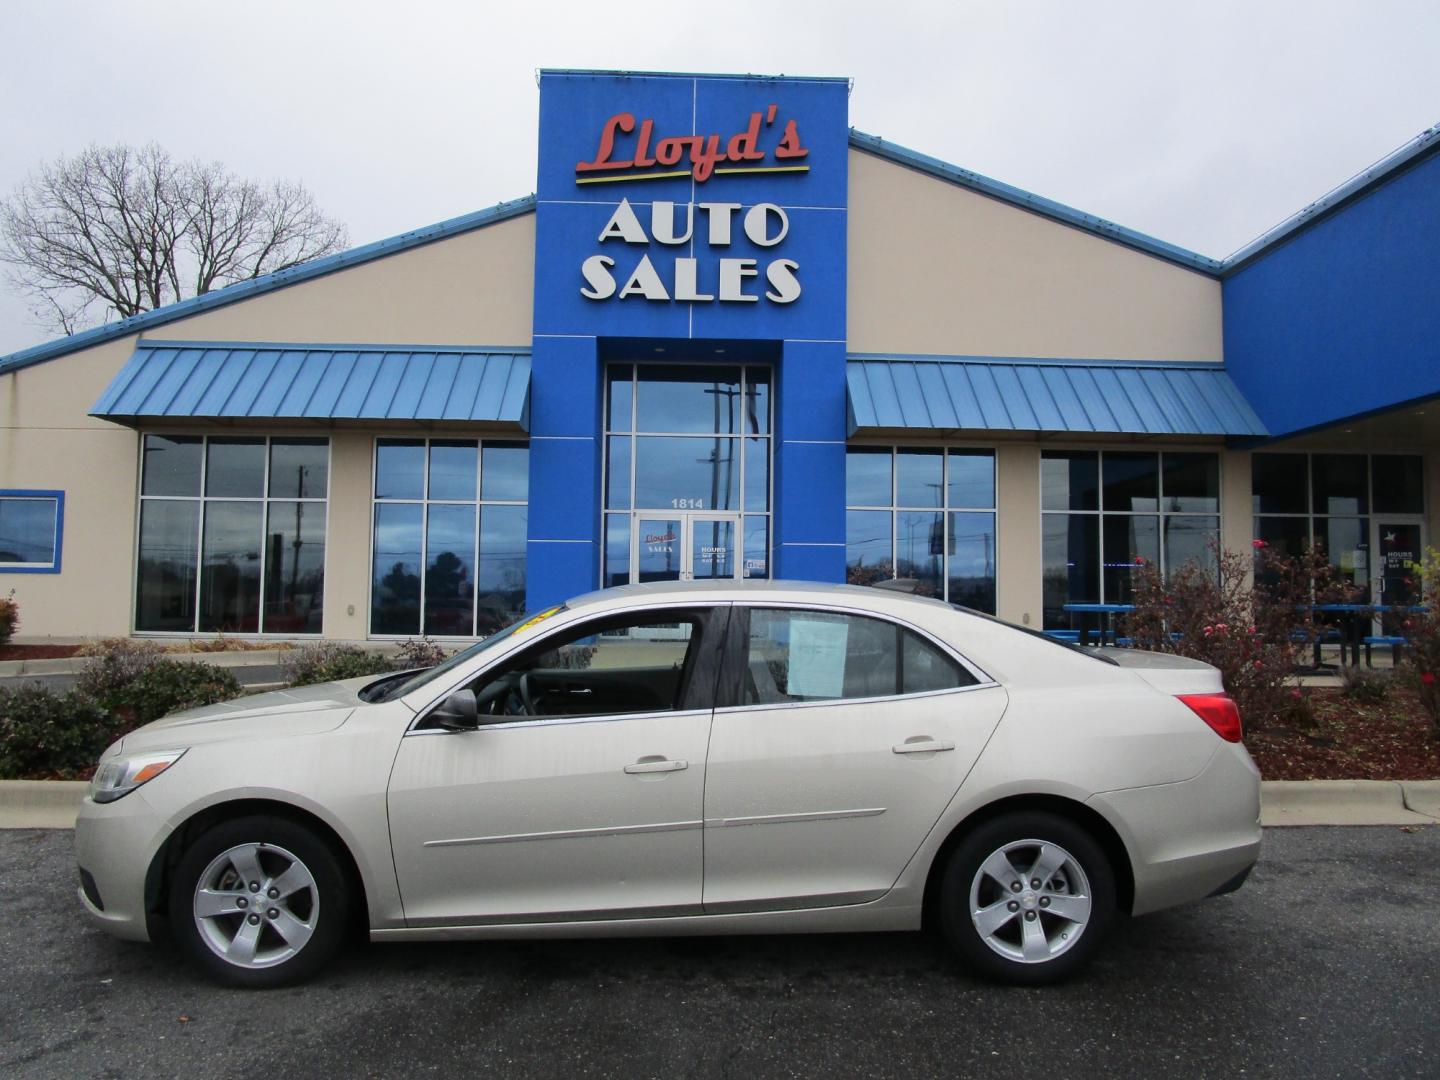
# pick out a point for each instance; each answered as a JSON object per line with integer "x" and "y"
{"x": 1325, "y": 964}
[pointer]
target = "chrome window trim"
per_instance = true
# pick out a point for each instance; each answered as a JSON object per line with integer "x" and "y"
{"x": 559, "y": 721}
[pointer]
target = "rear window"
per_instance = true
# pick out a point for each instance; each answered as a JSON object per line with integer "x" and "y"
{"x": 1093, "y": 654}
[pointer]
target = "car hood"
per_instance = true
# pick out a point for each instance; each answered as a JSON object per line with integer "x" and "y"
{"x": 303, "y": 710}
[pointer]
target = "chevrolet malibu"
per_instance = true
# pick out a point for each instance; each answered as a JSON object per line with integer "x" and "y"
{"x": 686, "y": 759}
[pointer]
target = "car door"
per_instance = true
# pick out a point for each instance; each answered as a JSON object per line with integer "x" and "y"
{"x": 579, "y": 795}
{"x": 848, "y": 737}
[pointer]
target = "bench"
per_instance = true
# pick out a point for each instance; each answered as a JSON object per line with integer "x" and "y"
{"x": 1072, "y": 636}
{"x": 1395, "y": 643}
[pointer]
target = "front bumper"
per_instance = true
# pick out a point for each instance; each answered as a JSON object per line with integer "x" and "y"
{"x": 1191, "y": 839}
{"x": 115, "y": 843}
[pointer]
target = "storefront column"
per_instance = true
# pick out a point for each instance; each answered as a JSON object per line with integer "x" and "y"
{"x": 1237, "y": 515}
{"x": 1019, "y": 566}
{"x": 810, "y": 432}
{"x": 562, "y": 551}
{"x": 348, "y": 516}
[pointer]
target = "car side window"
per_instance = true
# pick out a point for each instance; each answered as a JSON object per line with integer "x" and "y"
{"x": 634, "y": 665}
{"x": 796, "y": 655}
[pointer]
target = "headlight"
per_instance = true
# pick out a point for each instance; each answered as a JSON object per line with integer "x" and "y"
{"x": 121, "y": 775}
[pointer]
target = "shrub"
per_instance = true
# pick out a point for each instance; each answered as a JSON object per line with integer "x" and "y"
{"x": 114, "y": 664}
{"x": 1364, "y": 684}
{"x": 1249, "y": 617}
{"x": 45, "y": 734}
{"x": 169, "y": 686}
{"x": 329, "y": 661}
{"x": 9, "y": 618}
{"x": 419, "y": 654}
{"x": 1420, "y": 663}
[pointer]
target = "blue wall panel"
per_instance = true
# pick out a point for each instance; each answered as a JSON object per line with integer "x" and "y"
{"x": 810, "y": 430}
{"x": 1344, "y": 317}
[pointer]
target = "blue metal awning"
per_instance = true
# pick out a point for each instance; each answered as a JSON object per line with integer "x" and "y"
{"x": 1004, "y": 394}
{"x": 248, "y": 381}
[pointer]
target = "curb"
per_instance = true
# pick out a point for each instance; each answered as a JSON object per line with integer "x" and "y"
{"x": 53, "y": 804}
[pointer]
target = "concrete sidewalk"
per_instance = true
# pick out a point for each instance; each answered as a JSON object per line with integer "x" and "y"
{"x": 53, "y": 804}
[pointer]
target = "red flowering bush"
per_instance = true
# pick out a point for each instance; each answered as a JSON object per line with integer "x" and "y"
{"x": 1250, "y": 617}
{"x": 9, "y": 617}
{"x": 1421, "y": 662}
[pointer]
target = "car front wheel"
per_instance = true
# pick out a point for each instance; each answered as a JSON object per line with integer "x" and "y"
{"x": 1027, "y": 898}
{"x": 259, "y": 902}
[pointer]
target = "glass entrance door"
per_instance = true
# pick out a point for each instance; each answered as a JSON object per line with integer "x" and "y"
{"x": 1397, "y": 543}
{"x": 685, "y": 547}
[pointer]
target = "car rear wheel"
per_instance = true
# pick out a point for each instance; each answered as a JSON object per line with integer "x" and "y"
{"x": 259, "y": 902}
{"x": 1027, "y": 898}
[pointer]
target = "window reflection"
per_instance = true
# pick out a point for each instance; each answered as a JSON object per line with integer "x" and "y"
{"x": 230, "y": 568}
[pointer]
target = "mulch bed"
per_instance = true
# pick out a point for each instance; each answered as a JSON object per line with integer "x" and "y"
{"x": 1391, "y": 739}
{"x": 37, "y": 652}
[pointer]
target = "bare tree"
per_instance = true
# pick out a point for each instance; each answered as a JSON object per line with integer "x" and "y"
{"x": 126, "y": 229}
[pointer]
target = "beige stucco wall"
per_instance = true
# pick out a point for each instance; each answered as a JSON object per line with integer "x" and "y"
{"x": 472, "y": 289}
{"x": 1018, "y": 586}
{"x": 937, "y": 268}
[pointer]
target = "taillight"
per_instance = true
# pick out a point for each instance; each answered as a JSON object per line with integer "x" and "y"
{"x": 1217, "y": 710}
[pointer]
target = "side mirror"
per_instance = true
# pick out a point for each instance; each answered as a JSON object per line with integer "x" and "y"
{"x": 457, "y": 712}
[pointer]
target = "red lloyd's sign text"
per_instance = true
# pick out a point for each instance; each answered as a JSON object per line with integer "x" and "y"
{"x": 764, "y": 224}
{"x": 702, "y": 154}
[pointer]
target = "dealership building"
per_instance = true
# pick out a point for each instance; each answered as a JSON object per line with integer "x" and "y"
{"x": 731, "y": 337}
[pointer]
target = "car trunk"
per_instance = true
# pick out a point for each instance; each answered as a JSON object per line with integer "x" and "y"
{"x": 1169, "y": 673}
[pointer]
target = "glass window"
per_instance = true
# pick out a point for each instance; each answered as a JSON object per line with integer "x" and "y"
{"x": 819, "y": 656}
{"x": 920, "y": 550}
{"x": 1131, "y": 481}
{"x": 757, "y": 547}
{"x": 604, "y": 669}
{"x": 505, "y": 472}
{"x": 395, "y": 583}
{"x": 1346, "y": 541}
{"x": 1192, "y": 483}
{"x": 868, "y": 555}
{"x": 971, "y": 561}
{"x": 1287, "y": 536}
{"x": 230, "y": 568}
{"x": 617, "y": 485}
{"x": 1339, "y": 483}
{"x": 617, "y": 551}
{"x": 171, "y": 465}
{"x": 1279, "y": 484}
{"x": 1070, "y": 480}
{"x": 867, "y": 476}
{"x": 924, "y": 669}
{"x": 622, "y": 388}
{"x": 1071, "y": 564}
{"x": 972, "y": 479}
{"x": 503, "y": 538}
{"x": 686, "y": 473}
{"x": 915, "y": 544}
{"x": 232, "y": 535}
{"x": 450, "y": 568}
{"x": 1399, "y": 483}
{"x": 29, "y": 530}
{"x": 918, "y": 478}
{"x": 1191, "y": 539}
{"x": 757, "y": 474}
{"x": 1127, "y": 538}
{"x": 757, "y": 401}
{"x": 299, "y": 468}
{"x": 294, "y": 566}
{"x": 697, "y": 399}
{"x": 452, "y": 470}
{"x": 167, "y": 566}
{"x": 400, "y": 469}
{"x": 235, "y": 468}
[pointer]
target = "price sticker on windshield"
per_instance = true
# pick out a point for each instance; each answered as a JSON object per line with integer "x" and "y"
{"x": 541, "y": 617}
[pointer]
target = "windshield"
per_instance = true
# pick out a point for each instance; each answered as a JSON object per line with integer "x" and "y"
{"x": 1094, "y": 654}
{"x": 420, "y": 678}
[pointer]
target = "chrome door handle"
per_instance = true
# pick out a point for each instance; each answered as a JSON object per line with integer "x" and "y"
{"x": 922, "y": 746}
{"x": 654, "y": 765}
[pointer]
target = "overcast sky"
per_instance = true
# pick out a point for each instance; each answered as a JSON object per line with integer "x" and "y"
{"x": 1200, "y": 123}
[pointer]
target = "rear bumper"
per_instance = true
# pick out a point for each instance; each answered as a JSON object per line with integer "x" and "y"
{"x": 1193, "y": 839}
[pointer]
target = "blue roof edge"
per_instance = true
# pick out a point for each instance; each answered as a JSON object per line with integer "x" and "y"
{"x": 258, "y": 286}
{"x": 1025, "y": 200}
{"x": 748, "y": 77}
{"x": 328, "y": 346}
{"x": 1048, "y": 361}
{"x": 1362, "y": 183}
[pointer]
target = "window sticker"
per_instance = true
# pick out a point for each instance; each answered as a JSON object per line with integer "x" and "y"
{"x": 817, "y": 658}
{"x": 541, "y": 617}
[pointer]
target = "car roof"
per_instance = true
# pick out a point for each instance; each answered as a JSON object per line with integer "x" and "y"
{"x": 815, "y": 592}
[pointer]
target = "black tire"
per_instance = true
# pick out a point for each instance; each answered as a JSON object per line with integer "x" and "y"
{"x": 279, "y": 841}
{"x": 963, "y": 870}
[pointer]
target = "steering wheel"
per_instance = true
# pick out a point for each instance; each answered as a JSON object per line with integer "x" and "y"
{"x": 527, "y": 699}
